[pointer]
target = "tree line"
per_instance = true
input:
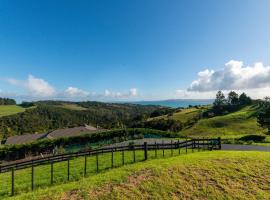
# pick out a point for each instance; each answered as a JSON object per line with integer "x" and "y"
{"x": 7, "y": 101}
{"x": 49, "y": 115}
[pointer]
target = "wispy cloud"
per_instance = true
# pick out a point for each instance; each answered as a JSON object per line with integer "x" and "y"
{"x": 38, "y": 88}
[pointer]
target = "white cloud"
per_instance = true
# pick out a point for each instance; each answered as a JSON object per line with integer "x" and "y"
{"x": 234, "y": 76}
{"x": 76, "y": 92}
{"x": 36, "y": 87}
{"x": 133, "y": 92}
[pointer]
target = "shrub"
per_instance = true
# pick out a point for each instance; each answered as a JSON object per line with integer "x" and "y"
{"x": 254, "y": 138}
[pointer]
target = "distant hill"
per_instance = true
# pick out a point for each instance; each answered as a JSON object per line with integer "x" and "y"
{"x": 51, "y": 115}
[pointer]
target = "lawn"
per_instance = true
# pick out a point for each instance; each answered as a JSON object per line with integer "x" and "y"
{"x": 42, "y": 176}
{"x": 6, "y": 110}
{"x": 202, "y": 175}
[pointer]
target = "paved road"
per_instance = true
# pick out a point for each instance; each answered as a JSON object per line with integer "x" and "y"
{"x": 238, "y": 147}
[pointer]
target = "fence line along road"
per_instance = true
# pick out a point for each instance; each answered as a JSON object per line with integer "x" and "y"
{"x": 199, "y": 144}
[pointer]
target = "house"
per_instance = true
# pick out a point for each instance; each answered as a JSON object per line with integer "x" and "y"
{"x": 60, "y": 133}
{"x": 71, "y": 132}
{"x": 26, "y": 138}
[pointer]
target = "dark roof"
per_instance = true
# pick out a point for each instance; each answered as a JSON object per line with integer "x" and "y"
{"x": 21, "y": 139}
{"x": 70, "y": 132}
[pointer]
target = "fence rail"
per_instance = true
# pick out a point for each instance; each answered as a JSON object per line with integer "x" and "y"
{"x": 193, "y": 144}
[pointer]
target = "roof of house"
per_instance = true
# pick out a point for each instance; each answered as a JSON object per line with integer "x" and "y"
{"x": 71, "y": 132}
{"x": 21, "y": 139}
{"x": 67, "y": 132}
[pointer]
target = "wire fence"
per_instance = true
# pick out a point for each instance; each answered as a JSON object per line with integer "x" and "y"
{"x": 28, "y": 175}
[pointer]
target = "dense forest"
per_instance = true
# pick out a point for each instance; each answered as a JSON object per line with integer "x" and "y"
{"x": 50, "y": 115}
{"x": 7, "y": 101}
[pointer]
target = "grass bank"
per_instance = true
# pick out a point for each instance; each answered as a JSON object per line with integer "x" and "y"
{"x": 203, "y": 175}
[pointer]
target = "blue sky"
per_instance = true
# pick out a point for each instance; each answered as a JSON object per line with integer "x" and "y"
{"x": 133, "y": 50}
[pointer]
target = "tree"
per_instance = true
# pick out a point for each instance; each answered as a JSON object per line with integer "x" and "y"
{"x": 244, "y": 99}
{"x": 220, "y": 99}
{"x": 263, "y": 117}
{"x": 233, "y": 98}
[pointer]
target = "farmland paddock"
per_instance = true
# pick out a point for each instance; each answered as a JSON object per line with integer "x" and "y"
{"x": 29, "y": 175}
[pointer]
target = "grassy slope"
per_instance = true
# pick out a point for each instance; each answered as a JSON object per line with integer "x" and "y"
{"x": 204, "y": 175}
{"x": 6, "y": 110}
{"x": 72, "y": 106}
{"x": 234, "y": 124}
{"x": 182, "y": 115}
{"x": 237, "y": 124}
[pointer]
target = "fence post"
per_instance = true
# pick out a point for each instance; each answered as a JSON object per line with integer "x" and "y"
{"x": 163, "y": 148}
{"x": 198, "y": 145}
{"x": 193, "y": 145}
{"x": 123, "y": 156}
{"x": 51, "y": 172}
{"x": 155, "y": 149}
{"x": 203, "y": 145}
{"x": 134, "y": 155}
{"x": 219, "y": 143}
{"x": 171, "y": 148}
{"x": 179, "y": 149}
{"x": 68, "y": 168}
{"x": 186, "y": 145}
{"x": 12, "y": 182}
{"x": 32, "y": 178}
{"x": 97, "y": 161}
{"x": 85, "y": 165}
{"x": 112, "y": 157}
{"x": 145, "y": 150}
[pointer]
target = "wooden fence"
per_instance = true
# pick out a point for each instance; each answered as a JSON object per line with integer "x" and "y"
{"x": 199, "y": 144}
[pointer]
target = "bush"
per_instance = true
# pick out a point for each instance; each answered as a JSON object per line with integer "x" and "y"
{"x": 254, "y": 138}
{"x": 14, "y": 152}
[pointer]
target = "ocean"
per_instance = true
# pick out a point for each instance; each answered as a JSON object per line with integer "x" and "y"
{"x": 175, "y": 103}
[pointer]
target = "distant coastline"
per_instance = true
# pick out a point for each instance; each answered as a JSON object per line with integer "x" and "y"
{"x": 175, "y": 103}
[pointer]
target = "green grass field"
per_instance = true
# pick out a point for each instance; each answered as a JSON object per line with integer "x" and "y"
{"x": 202, "y": 175}
{"x": 43, "y": 178}
{"x": 6, "y": 110}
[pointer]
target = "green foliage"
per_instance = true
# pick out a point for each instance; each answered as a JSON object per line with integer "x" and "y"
{"x": 253, "y": 138}
{"x": 7, "y": 101}
{"x": 13, "y": 152}
{"x": 51, "y": 115}
{"x": 162, "y": 124}
{"x": 263, "y": 117}
{"x": 25, "y": 104}
{"x": 233, "y": 103}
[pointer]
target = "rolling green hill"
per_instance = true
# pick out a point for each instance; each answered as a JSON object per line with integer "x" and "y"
{"x": 239, "y": 123}
{"x": 231, "y": 125}
{"x": 204, "y": 175}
